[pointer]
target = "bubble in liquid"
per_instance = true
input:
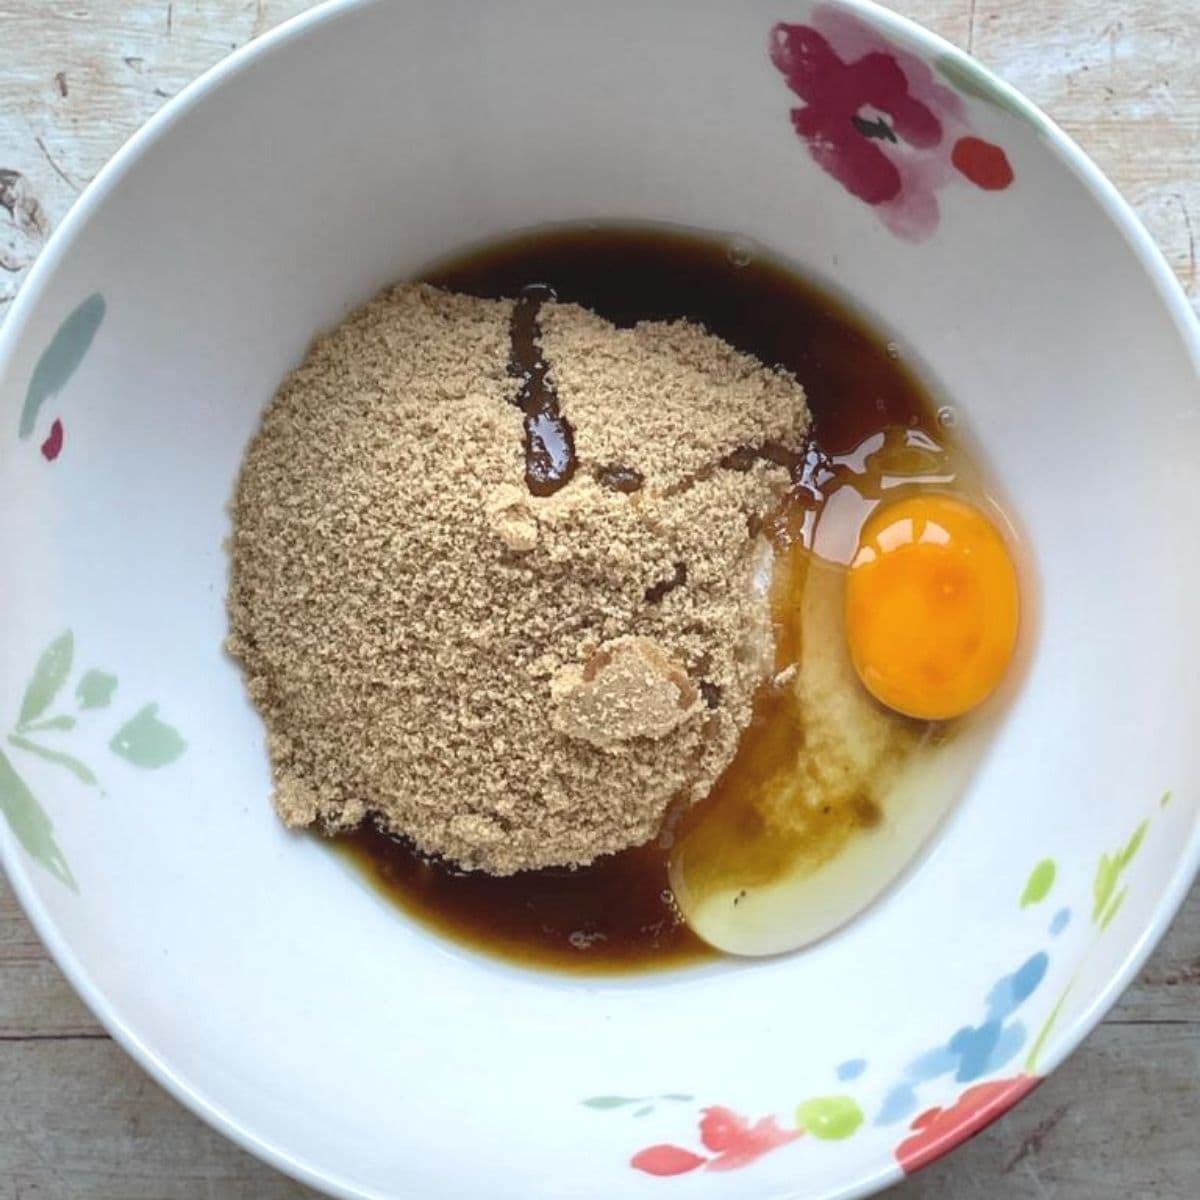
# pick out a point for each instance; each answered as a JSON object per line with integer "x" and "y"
{"x": 538, "y": 292}
{"x": 893, "y": 350}
{"x": 740, "y": 252}
{"x": 946, "y": 416}
{"x": 585, "y": 941}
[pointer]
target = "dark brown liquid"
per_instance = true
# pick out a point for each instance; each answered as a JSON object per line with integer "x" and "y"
{"x": 618, "y": 915}
{"x": 549, "y": 441}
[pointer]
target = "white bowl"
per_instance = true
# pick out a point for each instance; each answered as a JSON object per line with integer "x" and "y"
{"x": 247, "y": 968}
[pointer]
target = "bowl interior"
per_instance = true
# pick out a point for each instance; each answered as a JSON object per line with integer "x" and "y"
{"x": 260, "y": 977}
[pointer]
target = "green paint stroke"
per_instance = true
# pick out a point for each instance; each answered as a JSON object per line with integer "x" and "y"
{"x": 1039, "y": 1044}
{"x": 95, "y": 689}
{"x": 146, "y": 741}
{"x": 30, "y": 824}
{"x": 48, "y": 677}
{"x": 1106, "y": 918}
{"x": 80, "y": 770}
{"x": 612, "y": 1101}
{"x": 965, "y": 75}
{"x": 1106, "y": 900}
{"x": 829, "y": 1118}
{"x": 60, "y": 360}
{"x": 61, "y": 722}
{"x": 1041, "y": 880}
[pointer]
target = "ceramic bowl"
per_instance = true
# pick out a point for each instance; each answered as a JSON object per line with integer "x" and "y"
{"x": 248, "y": 969}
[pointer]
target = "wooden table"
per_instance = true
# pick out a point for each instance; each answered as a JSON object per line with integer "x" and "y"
{"x": 1121, "y": 1121}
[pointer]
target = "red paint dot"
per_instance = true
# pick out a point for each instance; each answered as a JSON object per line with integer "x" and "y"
{"x": 666, "y": 1160}
{"x": 52, "y": 446}
{"x": 983, "y": 163}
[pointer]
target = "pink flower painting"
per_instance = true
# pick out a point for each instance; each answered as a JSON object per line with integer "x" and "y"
{"x": 877, "y": 120}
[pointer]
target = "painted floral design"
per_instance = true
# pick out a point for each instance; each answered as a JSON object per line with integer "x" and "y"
{"x": 728, "y": 1140}
{"x": 143, "y": 740}
{"x": 876, "y": 119}
{"x": 59, "y": 361}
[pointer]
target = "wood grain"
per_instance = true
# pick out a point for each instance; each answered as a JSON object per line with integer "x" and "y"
{"x": 79, "y": 1120}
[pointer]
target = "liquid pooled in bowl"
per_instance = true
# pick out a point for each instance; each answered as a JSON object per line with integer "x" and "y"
{"x": 725, "y": 675}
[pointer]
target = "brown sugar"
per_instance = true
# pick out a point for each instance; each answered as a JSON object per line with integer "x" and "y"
{"x": 510, "y": 680}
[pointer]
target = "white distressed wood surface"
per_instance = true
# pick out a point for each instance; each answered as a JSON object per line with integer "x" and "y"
{"x": 78, "y": 1121}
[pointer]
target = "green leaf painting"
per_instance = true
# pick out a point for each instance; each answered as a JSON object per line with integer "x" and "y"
{"x": 1113, "y": 907}
{"x": 1041, "y": 880}
{"x": 1134, "y": 844}
{"x": 624, "y": 1101}
{"x": 30, "y": 824}
{"x": 61, "y": 358}
{"x": 146, "y": 741}
{"x": 48, "y": 677}
{"x": 1106, "y": 899}
{"x": 95, "y": 689}
{"x": 63, "y": 722}
{"x": 61, "y": 759}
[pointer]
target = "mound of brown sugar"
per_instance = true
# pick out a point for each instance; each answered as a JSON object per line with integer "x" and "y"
{"x": 512, "y": 681}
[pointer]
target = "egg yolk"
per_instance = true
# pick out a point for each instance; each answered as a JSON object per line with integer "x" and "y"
{"x": 932, "y": 606}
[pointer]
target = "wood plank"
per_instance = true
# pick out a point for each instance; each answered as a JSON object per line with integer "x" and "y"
{"x": 78, "y": 1119}
{"x": 1120, "y": 76}
{"x": 35, "y": 999}
{"x": 77, "y": 80}
{"x": 1168, "y": 989}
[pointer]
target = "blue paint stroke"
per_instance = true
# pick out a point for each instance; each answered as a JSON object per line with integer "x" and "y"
{"x": 1062, "y": 919}
{"x": 973, "y": 1046}
{"x": 974, "y": 1050}
{"x": 61, "y": 358}
{"x": 899, "y": 1104}
{"x": 1008, "y": 1046}
{"x": 1011, "y": 991}
{"x": 852, "y": 1068}
{"x": 931, "y": 1064}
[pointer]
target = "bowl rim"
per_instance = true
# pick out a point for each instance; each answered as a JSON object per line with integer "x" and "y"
{"x": 875, "y": 1175}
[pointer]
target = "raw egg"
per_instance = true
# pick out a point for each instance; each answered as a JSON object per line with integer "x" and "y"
{"x": 932, "y": 606}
